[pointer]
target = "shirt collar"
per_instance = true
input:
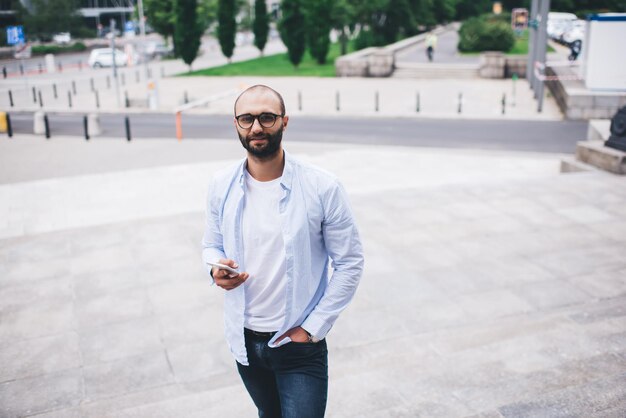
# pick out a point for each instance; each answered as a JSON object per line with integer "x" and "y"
{"x": 286, "y": 179}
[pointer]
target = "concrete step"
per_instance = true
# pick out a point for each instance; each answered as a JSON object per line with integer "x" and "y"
{"x": 431, "y": 70}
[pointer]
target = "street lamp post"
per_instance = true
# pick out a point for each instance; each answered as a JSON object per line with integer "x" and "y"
{"x": 114, "y": 63}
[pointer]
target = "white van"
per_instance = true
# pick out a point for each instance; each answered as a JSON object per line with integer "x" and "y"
{"x": 558, "y": 23}
{"x": 103, "y": 57}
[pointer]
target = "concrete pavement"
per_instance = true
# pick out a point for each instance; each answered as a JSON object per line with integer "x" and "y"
{"x": 494, "y": 286}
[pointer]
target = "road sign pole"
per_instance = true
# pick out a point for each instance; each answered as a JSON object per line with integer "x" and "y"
{"x": 532, "y": 36}
{"x": 542, "y": 41}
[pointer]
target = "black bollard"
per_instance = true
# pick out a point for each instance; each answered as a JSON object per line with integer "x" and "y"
{"x": 80, "y": 66}
{"x": 337, "y": 101}
{"x": 185, "y": 97}
{"x": 4, "y": 72}
{"x": 46, "y": 125}
{"x": 69, "y": 98}
{"x": 74, "y": 87}
{"x": 126, "y": 101}
{"x": 460, "y": 108}
{"x": 9, "y": 127}
{"x": 86, "y": 127}
{"x": 60, "y": 67}
{"x": 21, "y": 69}
{"x": 11, "y": 98}
{"x": 91, "y": 85}
{"x": 417, "y": 102}
{"x": 376, "y": 101}
{"x": 54, "y": 91}
{"x": 40, "y": 68}
{"x": 127, "y": 121}
{"x": 97, "y": 99}
{"x": 108, "y": 82}
{"x": 40, "y": 99}
{"x": 503, "y": 103}
{"x": 299, "y": 100}
{"x": 34, "y": 95}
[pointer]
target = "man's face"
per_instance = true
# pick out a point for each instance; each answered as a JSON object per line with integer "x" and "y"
{"x": 258, "y": 140}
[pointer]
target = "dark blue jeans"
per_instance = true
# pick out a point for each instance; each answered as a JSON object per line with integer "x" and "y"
{"x": 290, "y": 381}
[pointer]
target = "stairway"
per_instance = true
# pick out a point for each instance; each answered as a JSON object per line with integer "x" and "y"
{"x": 435, "y": 70}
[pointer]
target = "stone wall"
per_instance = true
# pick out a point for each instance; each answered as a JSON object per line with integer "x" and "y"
{"x": 497, "y": 65}
{"x": 355, "y": 64}
{"x": 577, "y": 102}
{"x": 378, "y": 62}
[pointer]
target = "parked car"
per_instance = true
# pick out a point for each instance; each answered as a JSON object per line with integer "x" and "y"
{"x": 558, "y": 23}
{"x": 158, "y": 50}
{"x": 103, "y": 57}
{"x": 575, "y": 32}
{"x": 62, "y": 38}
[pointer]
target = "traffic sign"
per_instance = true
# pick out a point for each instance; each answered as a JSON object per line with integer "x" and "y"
{"x": 15, "y": 35}
{"x": 129, "y": 26}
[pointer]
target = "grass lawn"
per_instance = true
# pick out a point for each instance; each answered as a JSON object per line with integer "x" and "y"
{"x": 276, "y": 65}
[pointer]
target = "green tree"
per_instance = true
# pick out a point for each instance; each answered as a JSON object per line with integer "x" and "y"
{"x": 261, "y": 25}
{"x": 160, "y": 15}
{"x": 398, "y": 20}
{"x": 48, "y": 17}
{"x": 227, "y": 27}
{"x": 292, "y": 30}
{"x": 187, "y": 30}
{"x": 342, "y": 17}
{"x": 207, "y": 13}
{"x": 444, "y": 10}
{"x": 318, "y": 24}
{"x": 469, "y": 8}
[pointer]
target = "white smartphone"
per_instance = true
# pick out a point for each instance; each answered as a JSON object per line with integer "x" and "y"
{"x": 223, "y": 267}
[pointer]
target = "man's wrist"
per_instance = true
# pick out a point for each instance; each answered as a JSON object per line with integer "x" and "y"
{"x": 312, "y": 338}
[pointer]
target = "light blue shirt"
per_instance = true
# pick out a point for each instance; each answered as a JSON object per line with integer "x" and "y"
{"x": 317, "y": 227}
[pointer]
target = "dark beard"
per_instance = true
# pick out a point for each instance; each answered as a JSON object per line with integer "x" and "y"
{"x": 266, "y": 151}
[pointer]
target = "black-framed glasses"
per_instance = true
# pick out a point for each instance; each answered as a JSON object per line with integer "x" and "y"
{"x": 266, "y": 120}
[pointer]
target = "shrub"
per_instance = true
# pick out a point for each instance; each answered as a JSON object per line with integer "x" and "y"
{"x": 58, "y": 49}
{"x": 479, "y": 34}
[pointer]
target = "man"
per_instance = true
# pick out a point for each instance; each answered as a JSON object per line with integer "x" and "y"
{"x": 431, "y": 44}
{"x": 279, "y": 222}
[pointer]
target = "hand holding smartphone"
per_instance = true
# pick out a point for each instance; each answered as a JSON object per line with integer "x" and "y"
{"x": 224, "y": 267}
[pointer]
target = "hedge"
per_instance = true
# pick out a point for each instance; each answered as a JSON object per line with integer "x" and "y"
{"x": 485, "y": 33}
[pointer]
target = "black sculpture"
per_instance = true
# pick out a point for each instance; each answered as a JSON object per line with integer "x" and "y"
{"x": 617, "y": 139}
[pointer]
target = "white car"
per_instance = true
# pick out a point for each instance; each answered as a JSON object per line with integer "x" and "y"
{"x": 558, "y": 23}
{"x": 576, "y": 32}
{"x": 103, "y": 57}
{"x": 62, "y": 38}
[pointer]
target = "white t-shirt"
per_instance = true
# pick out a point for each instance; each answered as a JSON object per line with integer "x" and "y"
{"x": 264, "y": 256}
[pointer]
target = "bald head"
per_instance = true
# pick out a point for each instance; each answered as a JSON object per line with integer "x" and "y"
{"x": 261, "y": 91}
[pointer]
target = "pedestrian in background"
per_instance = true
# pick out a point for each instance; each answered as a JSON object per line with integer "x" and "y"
{"x": 288, "y": 230}
{"x": 431, "y": 44}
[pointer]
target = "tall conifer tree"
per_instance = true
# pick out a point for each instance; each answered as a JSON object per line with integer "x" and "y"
{"x": 261, "y": 25}
{"x": 292, "y": 30}
{"x": 187, "y": 30}
{"x": 227, "y": 26}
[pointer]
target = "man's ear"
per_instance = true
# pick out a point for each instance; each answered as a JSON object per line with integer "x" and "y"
{"x": 235, "y": 122}
{"x": 285, "y": 122}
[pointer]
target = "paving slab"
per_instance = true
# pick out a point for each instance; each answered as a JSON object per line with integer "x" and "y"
{"x": 505, "y": 296}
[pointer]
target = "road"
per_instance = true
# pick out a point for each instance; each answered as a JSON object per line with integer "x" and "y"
{"x": 535, "y": 136}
